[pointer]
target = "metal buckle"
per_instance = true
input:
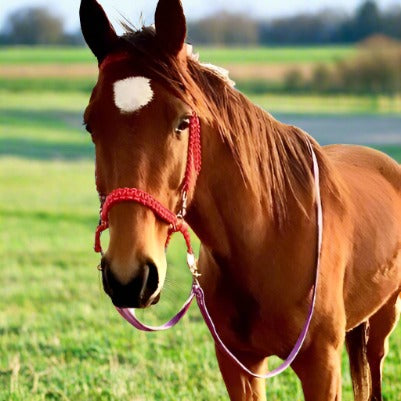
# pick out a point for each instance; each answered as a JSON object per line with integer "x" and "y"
{"x": 184, "y": 203}
{"x": 193, "y": 267}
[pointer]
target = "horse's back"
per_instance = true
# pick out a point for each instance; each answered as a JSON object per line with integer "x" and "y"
{"x": 367, "y": 159}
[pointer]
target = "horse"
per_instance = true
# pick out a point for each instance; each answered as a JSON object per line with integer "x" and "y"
{"x": 253, "y": 209}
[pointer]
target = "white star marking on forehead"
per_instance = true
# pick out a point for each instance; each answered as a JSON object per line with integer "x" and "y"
{"x": 131, "y": 94}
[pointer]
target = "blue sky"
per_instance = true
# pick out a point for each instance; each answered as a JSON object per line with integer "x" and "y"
{"x": 194, "y": 8}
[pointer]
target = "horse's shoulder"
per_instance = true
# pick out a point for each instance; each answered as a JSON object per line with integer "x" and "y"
{"x": 367, "y": 159}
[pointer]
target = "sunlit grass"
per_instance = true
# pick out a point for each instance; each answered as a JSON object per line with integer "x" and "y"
{"x": 43, "y": 101}
{"x": 331, "y": 104}
{"x": 59, "y": 332}
{"x": 69, "y": 55}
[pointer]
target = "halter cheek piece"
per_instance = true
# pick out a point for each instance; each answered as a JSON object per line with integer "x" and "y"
{"x": 176, "y": 221}
{"x": 178, "y": 224}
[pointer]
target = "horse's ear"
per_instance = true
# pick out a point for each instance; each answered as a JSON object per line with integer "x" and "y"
{"x": 171, "y": 27}
{"x": 99, "y": 34}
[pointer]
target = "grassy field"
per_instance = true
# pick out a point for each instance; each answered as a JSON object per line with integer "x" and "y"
{"x": 60, "y": 338}
{"x": 46, "y": 55}
{"x": 258, "y": 72}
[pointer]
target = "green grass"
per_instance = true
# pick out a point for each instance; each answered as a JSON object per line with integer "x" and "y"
{"x": 53, "y": 84}
{"x": 68, "y": 55}
{"x": 275, "y": 55}
{"x": 60, "y": 338}
{"x": 43, "y": 102}
{"x": 328, "y": 104}
{"x": 45, "y": 55}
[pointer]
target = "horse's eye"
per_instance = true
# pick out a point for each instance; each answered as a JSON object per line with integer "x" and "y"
{"x": 184, "y": 124}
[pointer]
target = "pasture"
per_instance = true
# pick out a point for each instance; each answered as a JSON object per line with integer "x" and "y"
{"x": 60, "y": 337}
{"x": 46, "y": 55}
{"x": 47, "y": 68}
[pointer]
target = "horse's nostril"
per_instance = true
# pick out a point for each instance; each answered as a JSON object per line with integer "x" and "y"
{"x": 153, "y": 278}
{"x": 135, "y": 294}
{"x": 150, "y": 282}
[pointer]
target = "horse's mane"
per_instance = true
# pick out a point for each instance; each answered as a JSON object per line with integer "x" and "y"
{"x": 274, "y": 158}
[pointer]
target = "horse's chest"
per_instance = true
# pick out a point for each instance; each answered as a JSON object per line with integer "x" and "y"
{"x": 242, "y": 322}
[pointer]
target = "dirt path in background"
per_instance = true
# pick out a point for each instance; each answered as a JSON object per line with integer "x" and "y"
{"x": 49, "y": 71}
{"x": 271, "y": 72}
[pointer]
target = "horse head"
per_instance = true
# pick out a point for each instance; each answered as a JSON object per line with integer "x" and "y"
{"x": 138, "y": 117}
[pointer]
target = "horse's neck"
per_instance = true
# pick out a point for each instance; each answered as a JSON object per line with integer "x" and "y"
{"x": 228, "y": 218}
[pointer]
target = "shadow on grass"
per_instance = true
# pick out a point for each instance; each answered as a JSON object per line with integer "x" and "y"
{"x": 59, "y": 119}
{"x": 39, "y": 150}
{"x": 48, "y": 146}
{"x": 51, "y": 217}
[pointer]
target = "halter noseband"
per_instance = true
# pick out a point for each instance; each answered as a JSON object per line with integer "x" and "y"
{"x": 176, "y": 221}
{"x": 178, "y": 224}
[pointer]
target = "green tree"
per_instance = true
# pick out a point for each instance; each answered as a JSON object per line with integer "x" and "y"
{"x": 367, "y": 20}
{"x": 34, "y": 26}
{"x": 225, "y": 29}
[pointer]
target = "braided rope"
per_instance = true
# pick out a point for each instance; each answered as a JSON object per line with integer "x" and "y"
{"x": 194, "y": 158}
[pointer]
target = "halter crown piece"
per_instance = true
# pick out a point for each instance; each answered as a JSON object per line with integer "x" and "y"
{"x": 178, "y": 224}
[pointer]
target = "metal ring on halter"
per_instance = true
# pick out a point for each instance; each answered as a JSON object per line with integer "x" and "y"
{"x": 193, "y": 266}
{"x": 184, "y": 203}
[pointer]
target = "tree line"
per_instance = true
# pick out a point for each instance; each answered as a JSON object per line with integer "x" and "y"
{"x": 323, "y": 27}
{"x": 36, "y": 25}
{"x": 374, "y": 69}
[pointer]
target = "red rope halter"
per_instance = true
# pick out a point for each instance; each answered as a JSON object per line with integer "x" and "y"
{"x": 176, "y": 221}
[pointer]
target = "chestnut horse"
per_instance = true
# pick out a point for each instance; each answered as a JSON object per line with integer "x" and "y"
{"x": 253, "y": 208}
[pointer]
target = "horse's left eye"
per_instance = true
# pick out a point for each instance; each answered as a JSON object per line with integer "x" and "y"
{"x": 184, "y": 124}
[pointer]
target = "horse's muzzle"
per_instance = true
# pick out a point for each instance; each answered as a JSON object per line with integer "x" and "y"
{"x": 138, "y": 292}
